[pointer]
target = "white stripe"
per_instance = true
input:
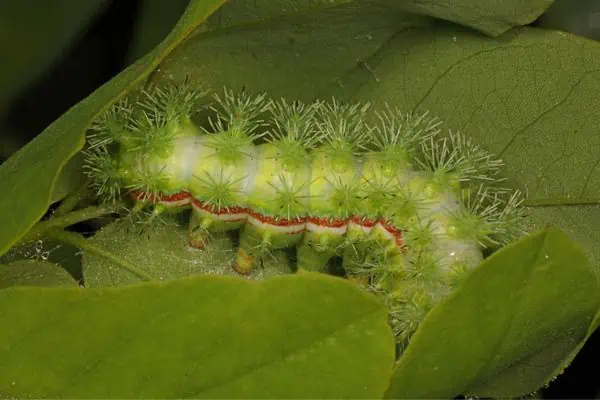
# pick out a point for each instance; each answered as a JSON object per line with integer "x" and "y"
{"x": 289, "y": 229}
{"x": 221, "y": 217}
{"x": 334, "y": 231}
{"x": 177, "y": 203}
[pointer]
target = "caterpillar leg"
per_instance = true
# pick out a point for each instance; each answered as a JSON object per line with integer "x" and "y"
{"x": 205, "y": 221}
{"x": 198, "y": 231}
{"x": 148, "y": 207}
{"x": 374, "y": 258}
{"x": 355, "y": 249}
{"x": 318, "y": 246}
{"x": 258, "y": 239}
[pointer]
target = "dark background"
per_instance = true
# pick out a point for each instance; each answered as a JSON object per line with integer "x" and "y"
{"x": 122, "y": 30}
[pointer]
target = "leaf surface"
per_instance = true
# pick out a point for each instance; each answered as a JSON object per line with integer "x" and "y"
{"x": 309, "y": 336}
{"x": 34, "y": 273}
{"x": 161, "y": 250}
{"x": 488, "y": 16}
{"x": 298, "y": 55}
{"x": 27, "y": 179}
{"x": 508, "y": 329}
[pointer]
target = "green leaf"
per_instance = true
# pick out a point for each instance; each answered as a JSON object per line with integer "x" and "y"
{"x": 581, "y": 222}
{"x": 298, "y": 55}
{"x": 261, "y": 11}
{"x": 595, "y": 324}
{"x": 71, "y": 177}
{"x": 308, "y": 336}
{"x": 34, "y": 34}
{"x": 161, "y": 249}
{"x": 489, "y": 16}
{"x": 45, "y": 249}
{"x": 27, "y": 178}
{"x": 509, "y": 328}
{"x": 34, "y": 273}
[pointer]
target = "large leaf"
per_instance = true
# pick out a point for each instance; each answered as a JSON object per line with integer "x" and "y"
{"x": 298, "y": 55}
{"x": 489, "y": 16}
{"x": 34, "y": 34}
{"x": 262, "y": 11}
{"x": 308, "y": 336}
{"x": 27, "y": 179}
{"x": 509, "y": 328}
{"x": 161, "y": 250}
{"x": 529, "y": 95}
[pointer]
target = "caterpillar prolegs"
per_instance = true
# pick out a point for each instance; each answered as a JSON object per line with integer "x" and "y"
{"x": 408, "y": 209}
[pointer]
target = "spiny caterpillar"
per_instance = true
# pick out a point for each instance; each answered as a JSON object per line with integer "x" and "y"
{"x": 409, "y": 210}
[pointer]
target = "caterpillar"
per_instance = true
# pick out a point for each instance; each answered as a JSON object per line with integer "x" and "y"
{"x": 409, "y": 210}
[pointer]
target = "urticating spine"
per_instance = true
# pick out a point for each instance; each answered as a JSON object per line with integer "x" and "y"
{"x": 409, "y": 209}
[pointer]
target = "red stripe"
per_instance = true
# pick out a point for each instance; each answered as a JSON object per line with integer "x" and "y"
{"x": 175, "y": 197}
{"x": 268, "y": 220}
{"x": 328, "y": 222}
{"x": 363, "y": 221}
{"x": 394, "y": 230}
{"x": 218, "y": 210}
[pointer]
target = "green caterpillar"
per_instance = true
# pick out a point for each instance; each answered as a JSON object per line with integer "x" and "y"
{"x": 409, "y": 210}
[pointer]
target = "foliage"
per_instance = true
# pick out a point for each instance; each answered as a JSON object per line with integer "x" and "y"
{"x": 515, "y": 323}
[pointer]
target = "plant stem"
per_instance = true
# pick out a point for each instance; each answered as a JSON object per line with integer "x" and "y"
{"x": 79, "y": 241}
{"x": 72, "y": 200}
{"x": 74, "y": 217}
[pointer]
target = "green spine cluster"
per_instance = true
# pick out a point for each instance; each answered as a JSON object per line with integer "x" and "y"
{"x": 408, "y": 208}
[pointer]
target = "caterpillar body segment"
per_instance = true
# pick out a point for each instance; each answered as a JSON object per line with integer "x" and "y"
{"x": 409, "y": 212}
